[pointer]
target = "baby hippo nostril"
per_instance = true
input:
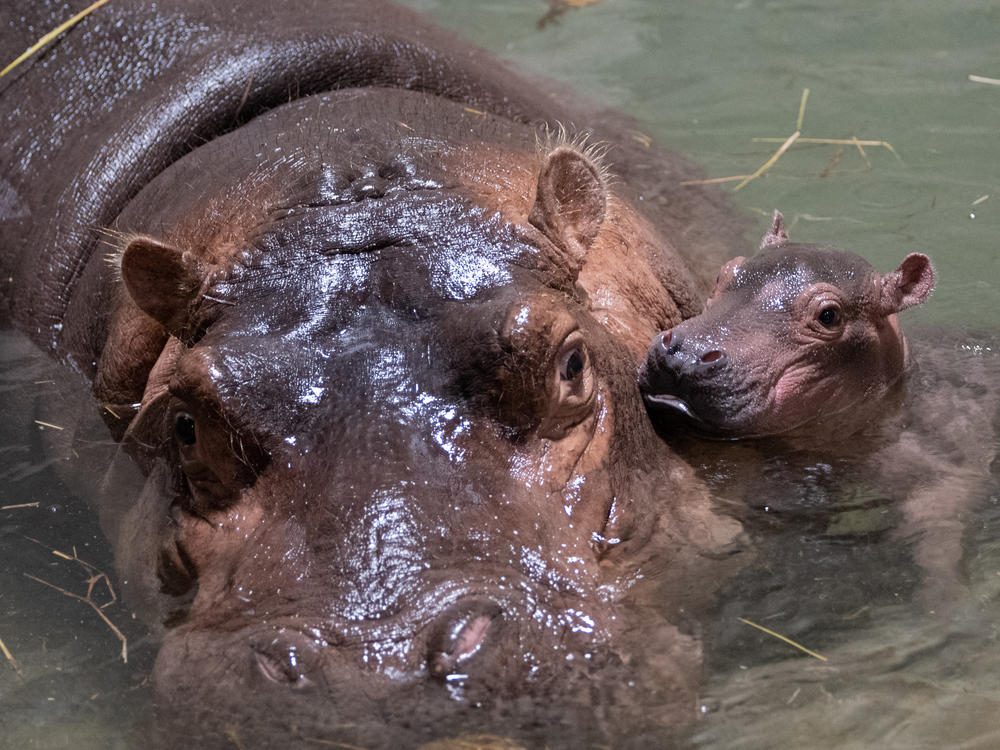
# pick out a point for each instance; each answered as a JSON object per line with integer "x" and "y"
{"x": 713, "y": 356}
{"x": 665, "y": 338}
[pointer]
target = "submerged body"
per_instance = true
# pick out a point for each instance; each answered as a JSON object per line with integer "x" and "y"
{"x": 379, "y": 465}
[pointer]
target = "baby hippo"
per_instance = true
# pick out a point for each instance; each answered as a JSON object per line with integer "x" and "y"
{"x": 801, "y": 344}
{"x": 797, "y": 340}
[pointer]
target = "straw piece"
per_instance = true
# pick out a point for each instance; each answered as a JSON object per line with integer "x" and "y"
{"x": 984, "y": 79}
{"x": 861, "y": 151}
{"x": 20, "y": 505}
{"x": 89, "y": 602}
{"x": 714, "y": 180}
{"x": 10, "y": 658}
{"x": 48, "y": 424}
{"x": 802, "y": 109}
{"x": 780, "y": 637}
{"x": 52, "y": 35}
{"x": 770, "y": 162}
{"x": 835, "y": 141}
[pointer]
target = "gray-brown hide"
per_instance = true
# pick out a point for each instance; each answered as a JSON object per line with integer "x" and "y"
{"x": 367, "y": 338}
{"x": 798, "y": 340}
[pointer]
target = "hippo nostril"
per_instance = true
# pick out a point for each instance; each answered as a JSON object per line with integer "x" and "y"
{"x": 665, "y": 339}
{"x": 462, "y": 637}
{"x": 713, "y": 356}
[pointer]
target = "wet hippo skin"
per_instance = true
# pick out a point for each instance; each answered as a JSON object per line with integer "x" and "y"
{"x": 362, "y": 327}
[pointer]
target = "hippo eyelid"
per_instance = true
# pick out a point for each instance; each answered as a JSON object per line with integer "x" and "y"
{"x": 285, "y": 660}
{"x": 571, "y": 376}
{"x": 277, "y": 671}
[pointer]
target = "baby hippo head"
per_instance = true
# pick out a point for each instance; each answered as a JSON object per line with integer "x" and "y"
{"x": 800, "y": 340}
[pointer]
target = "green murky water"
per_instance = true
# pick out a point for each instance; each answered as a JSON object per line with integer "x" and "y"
{"x": 704, "y": 78}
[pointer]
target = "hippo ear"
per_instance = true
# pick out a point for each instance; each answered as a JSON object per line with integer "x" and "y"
{"x": 777, "y": 235}
{"x": 908, "y": 285}
{"x": 726, "y": 275}
{"x": 570, "y": 202}
{"x": 162, "y": 280}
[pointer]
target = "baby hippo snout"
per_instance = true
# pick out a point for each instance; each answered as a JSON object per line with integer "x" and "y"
{"x": 674, "y": 357}
{"x": 678, "y": 366}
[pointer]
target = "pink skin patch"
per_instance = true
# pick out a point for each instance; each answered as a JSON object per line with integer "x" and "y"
{"x": 798, "y": 399}
{"x": 471, "y": 637}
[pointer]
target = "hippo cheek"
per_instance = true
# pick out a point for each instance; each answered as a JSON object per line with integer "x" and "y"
{"x": 571, "y": 471}
{"x": 803, "y": 398}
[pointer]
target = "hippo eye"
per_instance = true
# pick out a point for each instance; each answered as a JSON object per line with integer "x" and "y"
{"x": 571, "y": 388}
{"x": 282, "y": 669}
{"x": 572, "y": 365}
{"x": 829, "y": 317}
{"x": 288, "y": 658}
{"x": 184, "y": 429}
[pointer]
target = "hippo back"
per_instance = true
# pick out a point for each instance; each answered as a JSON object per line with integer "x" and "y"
{"x": 130, "y": 89}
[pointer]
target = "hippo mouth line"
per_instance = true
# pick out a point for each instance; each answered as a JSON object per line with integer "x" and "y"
{"x": 664, "y": 401}
{"x": 678, "y": 407}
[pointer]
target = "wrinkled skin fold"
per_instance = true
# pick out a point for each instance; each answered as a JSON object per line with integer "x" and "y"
{"x": 380, "y": 471}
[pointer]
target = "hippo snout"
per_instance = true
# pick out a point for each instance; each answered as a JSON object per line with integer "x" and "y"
{"x": 677, "y": 365}
{"x": 675, "y": 360}
{"x": 673, "y": 351}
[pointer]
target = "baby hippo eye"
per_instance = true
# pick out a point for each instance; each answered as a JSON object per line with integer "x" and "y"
{"x": 572, "y": 365}
{"x": 184, "y": 429}
{"x": 829, "y": 316}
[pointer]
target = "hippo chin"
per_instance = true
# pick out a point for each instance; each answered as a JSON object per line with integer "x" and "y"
{"x": 800, "y": 340}
{"x": 380, "y": 465}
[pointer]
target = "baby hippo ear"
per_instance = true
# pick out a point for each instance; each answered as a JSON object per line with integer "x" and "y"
{"x": 777, "y": 235}
{"x": 908, "y": 285}
{"x": 726, "y": 275}
{"x": 162, "y": 280}
{"x": 570, "y": 202}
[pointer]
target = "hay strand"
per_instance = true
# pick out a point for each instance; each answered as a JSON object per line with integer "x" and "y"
{"x": 802, "y": 109}
{"x": 52, "y": 35}
{"x": 715, "y": 180}
{"x": 95, "y": 576}
{"x": 770, "y": 162}
{"x": 10, "y": 658}
{"x": 49, "y": 424}
{"x": 984, "y": 79}
{"x": 780, "y": 637}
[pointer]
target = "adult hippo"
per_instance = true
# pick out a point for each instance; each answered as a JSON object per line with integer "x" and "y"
{"x": 368, "y": 356}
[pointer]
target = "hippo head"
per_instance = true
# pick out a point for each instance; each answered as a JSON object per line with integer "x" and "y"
{"x": 798, "y": 340}
{"x": 389, "y": 449}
